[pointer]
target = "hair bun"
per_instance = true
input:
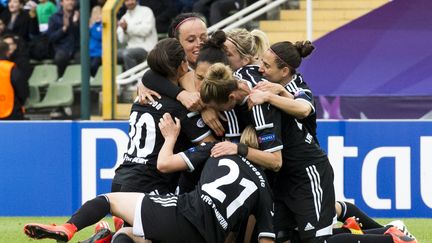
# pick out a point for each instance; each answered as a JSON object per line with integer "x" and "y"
{"x": 304, "y": 48}
{"x": 217, "y": 40}
{"x": 218, "y": 71}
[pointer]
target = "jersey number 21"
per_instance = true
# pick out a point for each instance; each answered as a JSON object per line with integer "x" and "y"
{"x": 213, "y": 190}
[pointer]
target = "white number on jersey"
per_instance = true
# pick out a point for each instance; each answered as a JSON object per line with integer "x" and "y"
{"x": 136, "y": 133}
{"x": 212, "y": 187}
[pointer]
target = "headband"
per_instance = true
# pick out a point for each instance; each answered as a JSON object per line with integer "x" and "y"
{"x": 280, "y": 59}
{"x": 182, "y": 22}
{"x": 240, "y": 49}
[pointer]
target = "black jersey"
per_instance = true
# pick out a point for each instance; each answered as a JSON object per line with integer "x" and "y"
{"x": 229, "y": 190}
{"x": 249, "y": 73}
{"x": 198, "y": 154}
{"x": 299, "y": 144}
{"x": 146, "y": 140}
{"x": 267, "y": 122}
{"x": 301, "y": 91}
{"x": 233, "y": 126}
{"x": 297, "y": 87}
{"x": 265, "y": 118}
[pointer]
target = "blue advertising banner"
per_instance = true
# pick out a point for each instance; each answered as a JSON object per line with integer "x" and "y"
{"x": 384, "y": 167}
{"x": 51, "y": 168}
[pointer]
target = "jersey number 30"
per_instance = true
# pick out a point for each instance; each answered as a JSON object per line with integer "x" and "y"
{"x": 136, "y": 133}
{"x": 213, "y": 190}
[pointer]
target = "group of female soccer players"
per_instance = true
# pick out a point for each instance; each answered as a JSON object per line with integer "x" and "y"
{"x": 267, "y": 180}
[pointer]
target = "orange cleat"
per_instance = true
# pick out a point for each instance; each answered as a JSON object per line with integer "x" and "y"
{"x": 400, "y": 225}
{"x": 353, "y": 225}
{"x": 398, "y": 236}
{"x": 62, "y": 233}
{"x": 118, "y": 223}
{"x": 102, "y": 225}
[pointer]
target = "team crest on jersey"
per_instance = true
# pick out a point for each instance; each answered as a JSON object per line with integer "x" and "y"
{"x": 200, "y": 123}
{"x": 191, "y": 150}
{"x": 266, "y": 138}
{"x": 301, "y": 94}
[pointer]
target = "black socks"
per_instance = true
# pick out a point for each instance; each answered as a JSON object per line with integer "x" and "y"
{"x": 349, "y": 210}
{"x": 91, "y": 212}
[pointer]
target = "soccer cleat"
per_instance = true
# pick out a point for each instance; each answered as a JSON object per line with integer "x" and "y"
{"x": 61, "y": 233}
{"x": 399, "y": 224}
{"x": 102, "y": 225}
{"x": 118, "y": 223}
{"x": 398, "y": 236}
{"x": 353, "y": 225}
{"x": 104, "y": 235}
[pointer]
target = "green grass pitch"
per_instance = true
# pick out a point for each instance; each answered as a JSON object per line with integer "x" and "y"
{"x": 11, "y": 228}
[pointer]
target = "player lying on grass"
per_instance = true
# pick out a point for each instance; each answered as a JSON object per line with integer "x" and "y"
{"x": 230, "y": 189}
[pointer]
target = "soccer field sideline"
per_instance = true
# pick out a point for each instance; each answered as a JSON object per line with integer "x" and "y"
{"x": 11, "y": 228}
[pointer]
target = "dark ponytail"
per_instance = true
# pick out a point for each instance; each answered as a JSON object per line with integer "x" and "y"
{"x": 213, "y": 50}
{"x": 304, "y": 48}
{"x": 290, "y": 55}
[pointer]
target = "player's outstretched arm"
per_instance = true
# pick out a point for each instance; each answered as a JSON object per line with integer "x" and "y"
{"x": 167, "y": 161}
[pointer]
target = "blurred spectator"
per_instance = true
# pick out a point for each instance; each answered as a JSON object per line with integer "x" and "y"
{"x": 137, "y": 30}
{"x": 64, "y": 34}
{"x": 203, "y": 7}
{"x": 30, "y": 7}
{"x": 222, "y": 9}
{"x": 41, "y": 48}
{"x": 18, "y": 21}
{"x": 3, "y": 5}
{"x": 95, "y": 44}
{"x": 94, "y": 3}
{"x": 3, "y": 29}
{"x": 185, "y": 6}
{"x": 13, "y": 90}
{"x": 217, "y": 10}
{"x": 44, "y": 10}
{"x": 18, "y": 54}
{"x": 163, "y": 10}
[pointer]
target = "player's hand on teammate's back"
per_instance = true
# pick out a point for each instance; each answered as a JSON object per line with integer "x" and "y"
{"x": 224, "y": 148}
{"x": 258, "y": 97}
{"x": 190, "y": 100}
{"x": 145, "y": 95}
{"x": 273, "y": 88}
{"x": 170, "y": 129}
{"x": 211, "y": 117}
{"x": 269, "y": 86}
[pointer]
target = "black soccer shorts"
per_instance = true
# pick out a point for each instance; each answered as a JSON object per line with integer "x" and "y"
{"x": 309, "y": 207}
{"x": 157, "y": 218}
